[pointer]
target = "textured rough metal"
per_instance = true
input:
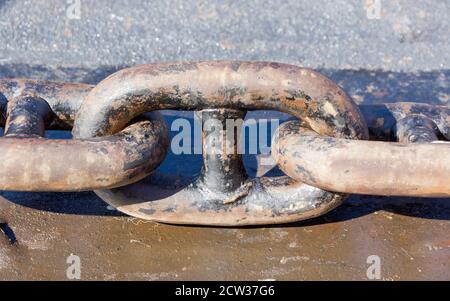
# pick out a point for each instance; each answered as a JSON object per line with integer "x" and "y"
{"x": 223, "y": 170}
{"x": 416, "y": 129}
{"x": 63, "y": 98}
{"x": 383, "y": 118}
{"x": 302, "y": 92}
{"x": 37, "y": 164}
{"x": 363, "y": 167}
{"x": 32, "y": 163}
{"x": 221, "y": 195}
{"x": 27, "y": 116}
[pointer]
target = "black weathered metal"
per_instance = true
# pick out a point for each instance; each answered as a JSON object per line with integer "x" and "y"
{"x": 223, "y": 169}
{"x": 383, "y": 118}
{"x": 222, "y": 195}
{"x": 27, "y": 116}
{"x": 416, "y": 129}
{"x": 63, "y": 98}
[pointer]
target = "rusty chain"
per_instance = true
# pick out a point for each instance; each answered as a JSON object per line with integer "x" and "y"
{"x": 118, "y": 141}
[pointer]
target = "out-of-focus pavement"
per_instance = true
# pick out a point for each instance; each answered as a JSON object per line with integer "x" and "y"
{"x": 341, "y": 34}
{"x": 405, "y": 46}
{"x": 402, "y": 54}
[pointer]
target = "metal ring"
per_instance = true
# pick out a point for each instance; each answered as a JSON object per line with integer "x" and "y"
{"x": 383, "y": 118}
{"x": 32, "y": 163}
{"x": 367, "y": 167}
{"x": 63, "y": 98}
{"x": 227, "y": 86}
{"x": 301, "y": 92}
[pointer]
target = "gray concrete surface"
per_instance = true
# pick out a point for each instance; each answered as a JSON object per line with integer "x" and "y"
{"x": 341, "y": 34}
{"x": 405, "y": 48}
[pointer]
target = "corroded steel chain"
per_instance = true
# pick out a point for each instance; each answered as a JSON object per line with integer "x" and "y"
{"x": 32, "y": 163}
{"x": 118, "y": 141}
{"x": 417, "y": 166}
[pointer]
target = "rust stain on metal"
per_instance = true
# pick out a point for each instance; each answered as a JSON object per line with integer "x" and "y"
{"x": 301, "y": 92}
{"x": 37, "y": 164}
{"x": 27, "y": 116}
{"x": 63, "y": 98}
{"x": 382, "y": 118}
{"x": 363, "y": 167}
{"x": 222, "y": 194}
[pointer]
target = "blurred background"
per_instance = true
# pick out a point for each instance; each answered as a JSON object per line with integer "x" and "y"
{"x": 401, "y": 42}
